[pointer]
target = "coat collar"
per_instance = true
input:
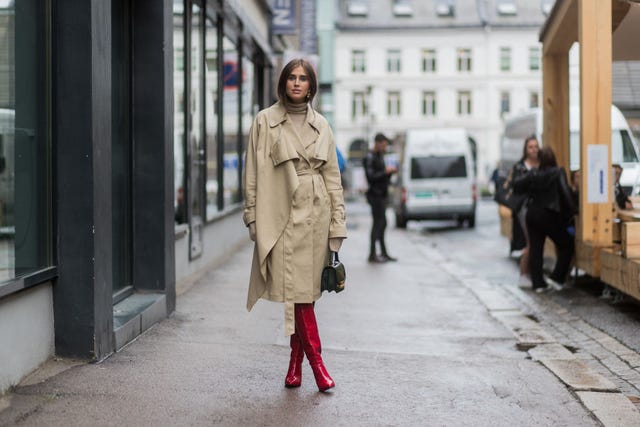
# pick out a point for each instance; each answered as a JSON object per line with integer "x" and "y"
{"x": 277, "y": 114}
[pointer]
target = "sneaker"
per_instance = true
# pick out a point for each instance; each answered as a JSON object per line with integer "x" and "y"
{"x": 389, "y": 258}
{"x": 377, "y": 259}
{"x": 541, "y": 289}
{"x": 524, "y": 281}
{"x": 555, "y": 285}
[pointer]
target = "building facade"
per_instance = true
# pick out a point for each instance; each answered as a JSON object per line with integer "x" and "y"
{"x": 402, "y": 64}
{"x": 122, "y": 129}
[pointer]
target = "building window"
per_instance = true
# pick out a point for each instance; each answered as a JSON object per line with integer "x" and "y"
{"x": 402, "y": 8}
{"x": 505, "y": 103}
{"x": 357, "y": 8}
{"x": 429, "y": 106}
{"x": 25, "y": 180}
{"x": 359, "y": 107}
{"x": 445, "y": 8}
{"x": 464, "y": 60}
{"x": 505, "y": 59}
{"x": 358, "y": 62}
{"x": 211, "y": 94}
{"x": 534, "y": 100}
{"x": 393, "y": 104}
{"x": 178, "y": 57}
{"x": 230, "y": 122}
{"x": 394, "y": 60}
{"x": 464, "y": 103}
{"x": 179, "y": 174}
{"x": 534, "y": 58}
{"x": 429, "y": 63}
{"x": 507, "y": 7}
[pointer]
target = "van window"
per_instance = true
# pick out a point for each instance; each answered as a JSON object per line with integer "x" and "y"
{"x": 438, "y": 167}
{"x": 622, "y": 141}
{"x": 622, "y": 149}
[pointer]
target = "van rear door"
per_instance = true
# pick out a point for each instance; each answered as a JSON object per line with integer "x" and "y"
{"x": 438, "y": 182}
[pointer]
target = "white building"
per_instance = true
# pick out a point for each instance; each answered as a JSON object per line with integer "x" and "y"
{"x": 402, "y": 64}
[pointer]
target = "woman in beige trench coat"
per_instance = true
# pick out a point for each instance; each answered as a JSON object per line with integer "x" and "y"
{"x": 294, "y": 209}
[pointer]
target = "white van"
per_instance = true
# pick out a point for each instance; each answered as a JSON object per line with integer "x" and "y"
{"x": 436, "y": 177}
{"x": 624, "y": 149}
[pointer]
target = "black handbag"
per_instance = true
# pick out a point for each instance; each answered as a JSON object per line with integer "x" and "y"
{"x": 505, "y": 195}
{"x": 333, "y": 275}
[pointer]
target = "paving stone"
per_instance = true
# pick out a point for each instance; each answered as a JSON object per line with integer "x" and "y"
{"x": 632, "y": 359}
{"x": 616, "y": 365}
{"x": 614, "y": 346}
{"x": 577, "y": 375}
{"x": 494, "y": 300}
{"x": 612, "y": 409}
{"x": 551, "y": 351}
{"x": 528, "y": 332}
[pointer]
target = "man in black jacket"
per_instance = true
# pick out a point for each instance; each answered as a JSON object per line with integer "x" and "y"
{"x": 378, "y": 176}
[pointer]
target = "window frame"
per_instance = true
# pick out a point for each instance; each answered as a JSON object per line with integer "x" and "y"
{"x": 534, "y": 58}
{"x": 429, "y": 103}
{"x": 44, "y": 85}
{"x": 505, "y": 58}
{"x": 464, "y": 59}
{"x": 394, "y": 103}
{"x": 359, "y": 105}
{"x": 505, "y": 102}
{"x": 465, "y": 106}
{"x": 429, "y": 60}
{"x": 358, "y": 61}
{"x": 394, "y": 61}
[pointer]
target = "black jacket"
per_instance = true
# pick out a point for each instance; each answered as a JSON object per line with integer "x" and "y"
{"x": 377, "y": 177}
{"x": 620, "y": 196}
{"x": 517, "y": 198}
{"x": 547, "y": 188}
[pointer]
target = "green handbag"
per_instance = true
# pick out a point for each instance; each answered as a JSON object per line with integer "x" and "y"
{"x": 333, "y": 275}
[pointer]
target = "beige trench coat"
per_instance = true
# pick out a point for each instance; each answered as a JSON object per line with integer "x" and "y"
{"x": 292, "y": 191}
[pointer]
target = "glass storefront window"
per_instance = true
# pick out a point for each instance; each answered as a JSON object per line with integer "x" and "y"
{"x": 178, "y": 112}
{"x": 25, "y": 177}
{"x": 211, "y": 97}
{"x": 232, "y": 79}
{"x": 195, "y": 135}
{"x": 121, "y": 149}
{"x": 249, "y": 105}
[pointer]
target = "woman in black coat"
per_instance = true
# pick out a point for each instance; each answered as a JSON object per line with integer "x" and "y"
{"x": 549, "y": 214}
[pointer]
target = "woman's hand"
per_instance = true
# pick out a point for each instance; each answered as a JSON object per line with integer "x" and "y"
{"x": 252, "y": 231}
{"x": 335, "y": 243}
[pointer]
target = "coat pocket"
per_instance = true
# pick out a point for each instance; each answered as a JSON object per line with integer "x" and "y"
{"x": 281, "y": 151}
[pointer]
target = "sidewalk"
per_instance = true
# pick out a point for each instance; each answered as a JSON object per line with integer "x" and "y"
{"x": 408, "y": 343}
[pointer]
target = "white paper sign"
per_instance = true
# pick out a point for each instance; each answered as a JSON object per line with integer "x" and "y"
{"x": 598, "y": 173}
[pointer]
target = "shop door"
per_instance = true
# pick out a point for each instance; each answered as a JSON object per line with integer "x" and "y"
{"x": 196, "y": 155}
{"x": 121, "y": 150}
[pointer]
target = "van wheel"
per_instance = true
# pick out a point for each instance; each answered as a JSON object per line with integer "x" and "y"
{"x": 401, "y": 222}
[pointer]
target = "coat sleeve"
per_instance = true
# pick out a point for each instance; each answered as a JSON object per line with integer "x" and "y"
{"x": 250, "y": 173}
{"x": 331, "y": 176}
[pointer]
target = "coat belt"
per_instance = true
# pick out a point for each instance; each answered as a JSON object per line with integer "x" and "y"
{"x": 307, "y": 172}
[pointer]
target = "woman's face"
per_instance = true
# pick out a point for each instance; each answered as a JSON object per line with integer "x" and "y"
{"x": 297, "y": 85}
{"x": 532, "y": 149}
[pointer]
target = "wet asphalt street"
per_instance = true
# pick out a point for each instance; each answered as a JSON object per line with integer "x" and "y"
{"x": 443, "y": 337}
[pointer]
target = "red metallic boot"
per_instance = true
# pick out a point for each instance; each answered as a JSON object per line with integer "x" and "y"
{"x": 307, "y": 330}
{"x": 294, "y": 374}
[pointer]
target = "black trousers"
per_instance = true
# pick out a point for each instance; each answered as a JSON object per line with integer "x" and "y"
{"x": 378, "y": 213}
{"x": 542, "y": 223}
